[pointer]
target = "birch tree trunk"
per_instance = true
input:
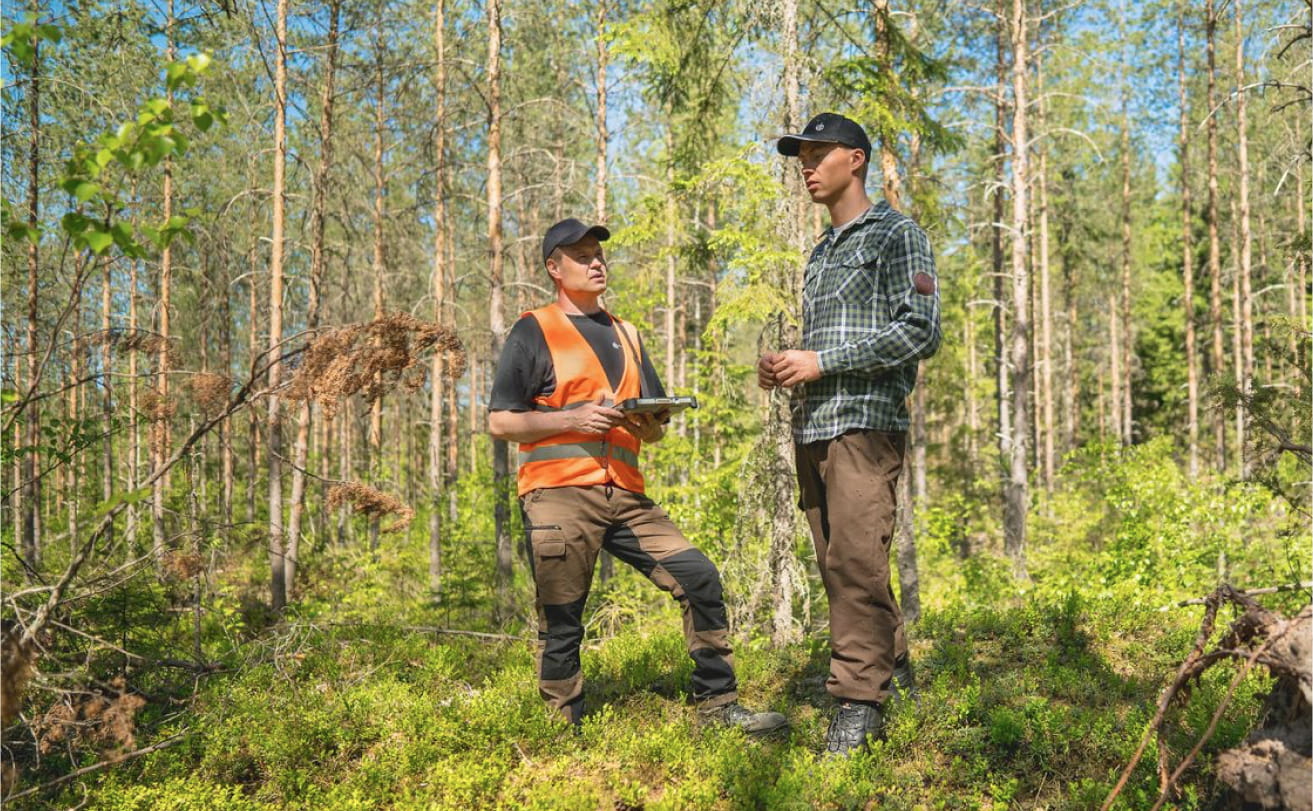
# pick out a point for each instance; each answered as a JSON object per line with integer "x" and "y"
{"x": 606, "y": 566}
{"x": 277, "y": 563}
{"x": 1002, "y": 395}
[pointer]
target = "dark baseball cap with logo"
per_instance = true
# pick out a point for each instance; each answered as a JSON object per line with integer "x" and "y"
{"x": 828, "y": 128}
{"x": 568, "y": 232}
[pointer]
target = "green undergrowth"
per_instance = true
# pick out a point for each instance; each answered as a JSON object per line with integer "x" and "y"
{"x": 1032, "y": 705}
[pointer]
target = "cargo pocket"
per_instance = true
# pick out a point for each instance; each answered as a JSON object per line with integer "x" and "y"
{"x": 546, "y": 544}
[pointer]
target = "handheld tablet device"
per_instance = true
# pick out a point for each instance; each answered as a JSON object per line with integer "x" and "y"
{"x": 652, "y": 405}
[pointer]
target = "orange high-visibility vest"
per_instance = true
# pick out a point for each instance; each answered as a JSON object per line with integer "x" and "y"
{"x": 574, "y": 459}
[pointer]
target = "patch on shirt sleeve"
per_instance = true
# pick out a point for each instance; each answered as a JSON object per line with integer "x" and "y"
{"x": 924, "y": 283}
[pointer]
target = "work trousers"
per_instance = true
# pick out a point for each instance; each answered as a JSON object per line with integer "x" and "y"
{"x": 566, "y": 527}
{"x": 848, "y": 488}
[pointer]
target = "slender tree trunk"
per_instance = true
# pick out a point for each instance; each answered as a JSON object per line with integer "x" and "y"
{"x": 1115, "y": 371}
{"x": 31, "y": 507}
{"x": 277, "y": 562}
{"x": 1187, "y": 256}
{"x": 1124, "y": 309}
{"x": 1002, "y": 394}
{"x": 253, "y": 417}
{"x": 73, "y": 412}
{"x": 1044, "y": 359}
{"x": 1245, "y": 373}
{"x": 301, "y": 451}
{"x": 1017, "y": 501}
{"x": 380, "y": 189}
{"x": 1214, "y": 241}
{"x": 160, "y": 427}
{"x": 671, "y": 215}
{"x": 439, "y": 287}
{"x": 1071, "y": 375}
{"x": 134, "y": 424}
{"x": 607, "y": 564}
{"x": 225, "y": 427}
{"x": 497, "y": 307}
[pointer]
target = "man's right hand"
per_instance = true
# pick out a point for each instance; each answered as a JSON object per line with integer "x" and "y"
{"x": 593, "y": 418}
{"x": 766, "y": 371}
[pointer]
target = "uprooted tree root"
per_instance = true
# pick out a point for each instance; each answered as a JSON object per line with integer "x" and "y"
{"x": 1273, "y": 768}
{"x": 373, "y": 503}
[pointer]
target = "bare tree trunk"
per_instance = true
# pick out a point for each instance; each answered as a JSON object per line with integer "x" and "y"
{"x": 73, "y": 413}
{"x": 1187, "y": 256}
{"x": 1115, "y": 371}
{"x": 1045, "y": 353}
{"x": 1245, "y": 373}
{"x": 1002, "y": 394}
{"x": 1214, "y": 241}
{"x": 439, "y": 287}
{"x": 106, "y": 392}
{"x": 777, "y": 435}
{"x": 253, "y": 417}
{"x": 497, "y": 307}
{"x": 277, "y": 562}
{"x": 31, "y": 501}
{"x": 1071, "y": 375}
{"x": 226, "y": 427}
{"x": 160, "y": 427}
{"x": 134, "y": 424}
{"x": 607, "y": 565}
{"x": 670, "y": 251}
{"x": 380, "y": 184}
{"x": 1128, "y": 337}
{"x": 1017, "y": 501}
{"x": 301, "y": 451}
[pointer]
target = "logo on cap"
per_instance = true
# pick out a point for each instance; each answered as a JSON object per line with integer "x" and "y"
{"x": 820, "y": 127}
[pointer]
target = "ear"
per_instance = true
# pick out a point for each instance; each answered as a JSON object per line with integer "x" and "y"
{"x": 858, "y": 159}
{"x": 553, "y": 269}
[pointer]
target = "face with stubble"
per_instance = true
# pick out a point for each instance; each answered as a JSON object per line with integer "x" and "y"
{"x": 828, "y": 169}
{"x": 579, "y": 268}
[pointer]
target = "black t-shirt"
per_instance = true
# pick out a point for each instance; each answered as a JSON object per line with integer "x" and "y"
{"x": 525, "y": 370}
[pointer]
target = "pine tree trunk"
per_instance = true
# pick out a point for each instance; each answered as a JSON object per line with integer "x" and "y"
{"x": 777, "y": 434}
{"x": 1245, "y": 372}
{"x": 31, "y": 502}
{"x": 253, "y": 417}
{"x": 1124, "y": 309}
{"x": 1017, "y": 492}
{"x": 497, "y": 308}
{"x": 1187, "y": 257}
{"x": 1218, "y": 354}
{"x": 106, "y": 392}
{"x": 301, "y": 451}
{"x": 277, "y": 562}
{"x": 376, "y": 466}
{"x": 606, "y": 566}
{"x": 160, "y": 427}
{"x": 1044, "y": 356}
{"x": 439, "y": 287}
{"x": 1001, "y": 393}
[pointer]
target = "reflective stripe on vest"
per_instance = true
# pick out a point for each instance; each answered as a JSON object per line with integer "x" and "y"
{"x": 574, "y": 459}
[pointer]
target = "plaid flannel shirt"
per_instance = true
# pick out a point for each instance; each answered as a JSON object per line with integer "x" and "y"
{"x": 870, "y": 310}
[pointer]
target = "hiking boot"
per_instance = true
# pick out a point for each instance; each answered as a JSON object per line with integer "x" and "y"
{"x": 737, "y": 715}
{"x": 903, "y": 685}
{"x": 853, "y": 725}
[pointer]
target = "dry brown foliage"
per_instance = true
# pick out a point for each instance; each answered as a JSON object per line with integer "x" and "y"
{"x": 17, "y": 664}
{"x": 210, "y": 390}
{"x": 104, "y": 720}
{"x": 183, "y": 565}
{"x": 371, "y": 358}
{"x": 156, "y": 407}
{"x": 128, "y": 340}
{"x": 371, "y": 502}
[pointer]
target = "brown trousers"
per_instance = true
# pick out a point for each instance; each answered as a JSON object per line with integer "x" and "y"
{"x": 565, "y": 528}
{"x": 848, "y": 491}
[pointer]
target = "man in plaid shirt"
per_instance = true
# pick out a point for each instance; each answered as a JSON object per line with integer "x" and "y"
{"x": 870, "y": 313}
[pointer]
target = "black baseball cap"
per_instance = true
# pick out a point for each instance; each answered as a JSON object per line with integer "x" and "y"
{"x": 568, "y": 232}
{"x": 829, "y": 128}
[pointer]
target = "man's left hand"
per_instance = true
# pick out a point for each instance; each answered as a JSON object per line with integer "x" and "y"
{"x": 647, "y": 427}
{"x": 796, "y": 366}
